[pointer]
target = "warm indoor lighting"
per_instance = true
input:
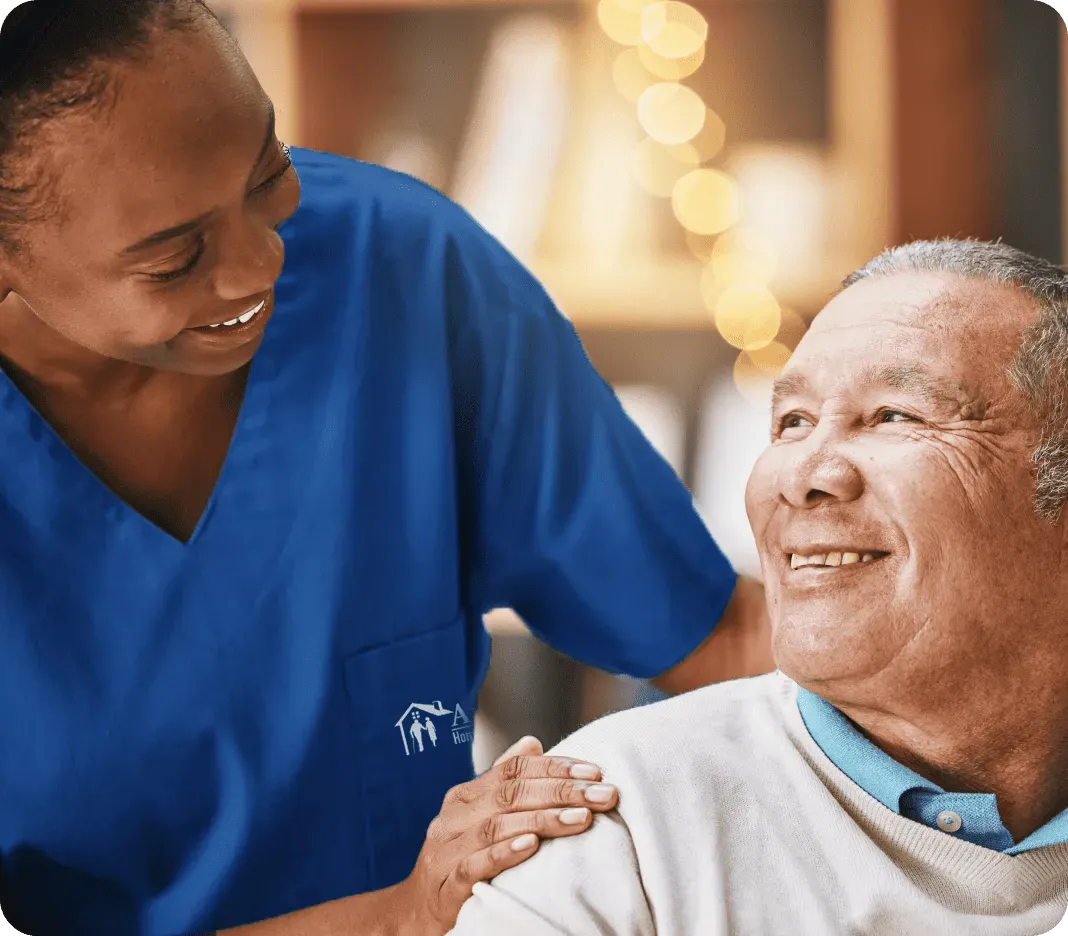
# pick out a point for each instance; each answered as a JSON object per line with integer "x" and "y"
{"x": 671, "y": 69}
{"x": 713, "y": 135}
{"x": 514, "y": 141}
{"x": 748, "y": 317}
{"x": 630, "y": 76}
{"x": 711, "y": 288}
{"x": 741, "y": 256}
{"x": 671, "y": 113}
{"x": 620, "y": 21}
{"x": 657, "y": 167}
{"x": 770, "y": 359}
{"x": 701, "y": 246}
{"x": 792, "y": 329}
{"x": 673, "y": 30}
{"x": 785, "y": 200}
{"x": 607, "y": 189}
{"x": 754, "y": 372}
{"x": 706, "y": 202}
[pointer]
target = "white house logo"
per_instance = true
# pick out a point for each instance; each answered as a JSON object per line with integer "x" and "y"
{"x": 420, "y": 730}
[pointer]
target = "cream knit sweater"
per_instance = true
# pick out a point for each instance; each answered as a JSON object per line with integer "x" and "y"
{"x": 732, "y": 822}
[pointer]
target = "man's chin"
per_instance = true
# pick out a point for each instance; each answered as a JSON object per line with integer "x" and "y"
{"x": 816, "y": 653}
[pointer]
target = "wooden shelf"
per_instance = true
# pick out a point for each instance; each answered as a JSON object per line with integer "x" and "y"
{"x": 339, "y": 6}
{"x": 661, "y": 296}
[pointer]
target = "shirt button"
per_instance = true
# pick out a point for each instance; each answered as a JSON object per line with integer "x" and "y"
{"x": 948, "y": 821}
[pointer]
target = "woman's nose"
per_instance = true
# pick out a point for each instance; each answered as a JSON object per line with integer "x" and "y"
{"x": 250, "y": 262}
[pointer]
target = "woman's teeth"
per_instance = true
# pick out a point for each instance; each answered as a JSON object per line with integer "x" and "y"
{"x": 241, "y": 319}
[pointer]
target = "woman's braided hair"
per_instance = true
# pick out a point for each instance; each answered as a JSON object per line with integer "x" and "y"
{"x": 53, "y": 58}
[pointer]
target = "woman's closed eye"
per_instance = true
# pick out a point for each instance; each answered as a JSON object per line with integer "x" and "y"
{"x": 190, "y": 265}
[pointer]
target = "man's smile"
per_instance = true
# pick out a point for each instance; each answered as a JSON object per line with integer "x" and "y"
{"x": 832, "y": 559}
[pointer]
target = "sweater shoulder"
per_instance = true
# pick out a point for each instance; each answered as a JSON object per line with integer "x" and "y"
{"x": 715, "y": 730}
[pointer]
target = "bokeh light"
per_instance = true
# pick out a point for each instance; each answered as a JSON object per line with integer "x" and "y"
{"x": 657, "y": 167}
{"x": 701, "y": 245}
{"x": 670, "y": 69}
{"x": 713, "y": 136}
{"x": 621, "y": 21}
{"x": 755, "y": 371}
{"x": 706, "y": 201}
{"x": 748, "y": 317}
{"x": 742, "y": 256}
{"x": 671, "y": 113}
{"x": 673, "y": 30}
{"x": 630, "y": 76}
{"x": 770, "y": 359}
{"x": 792, "y": 329}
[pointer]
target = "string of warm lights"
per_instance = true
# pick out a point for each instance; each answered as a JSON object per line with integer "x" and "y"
{"x": 665, "y": 42}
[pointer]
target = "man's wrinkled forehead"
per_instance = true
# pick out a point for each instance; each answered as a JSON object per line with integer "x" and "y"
{"x": 936, "y": 338}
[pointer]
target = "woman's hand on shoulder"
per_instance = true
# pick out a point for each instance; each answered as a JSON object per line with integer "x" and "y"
{"x": 496, "y": 822}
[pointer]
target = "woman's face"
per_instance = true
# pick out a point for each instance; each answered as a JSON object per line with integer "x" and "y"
{"x": 169, "y": 202}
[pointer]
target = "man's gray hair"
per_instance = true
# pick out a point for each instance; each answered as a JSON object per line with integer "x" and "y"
{"x": 1039, "y": 369}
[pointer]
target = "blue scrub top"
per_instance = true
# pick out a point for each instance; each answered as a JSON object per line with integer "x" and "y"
{"x": 201, "y": 735}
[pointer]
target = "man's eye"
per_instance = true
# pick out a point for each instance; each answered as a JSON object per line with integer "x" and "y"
{"x": 791, "y": 421}
{"x": 886, "y": 416}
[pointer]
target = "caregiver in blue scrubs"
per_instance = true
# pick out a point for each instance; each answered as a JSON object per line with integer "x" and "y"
{"x": 277, "y": 428}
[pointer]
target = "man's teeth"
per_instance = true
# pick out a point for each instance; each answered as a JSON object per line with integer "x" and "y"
{"x": 829, "y": 559}
{"x": 241, "y": 319}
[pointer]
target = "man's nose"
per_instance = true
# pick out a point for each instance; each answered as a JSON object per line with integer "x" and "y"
{"x": 817, "y": 473}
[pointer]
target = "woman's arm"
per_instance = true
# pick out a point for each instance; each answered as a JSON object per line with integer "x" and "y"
{"x": 576, "y": 522}
{"x": 381, "y": 913}
{"x": 486, "y": 826}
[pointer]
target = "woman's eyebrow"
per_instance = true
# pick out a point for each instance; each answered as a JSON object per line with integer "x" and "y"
{"x": 187, "y": 227}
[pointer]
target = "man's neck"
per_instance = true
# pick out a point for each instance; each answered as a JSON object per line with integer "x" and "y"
{"x": 1012, "y": 743}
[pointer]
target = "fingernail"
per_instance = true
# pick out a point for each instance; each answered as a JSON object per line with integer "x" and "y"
{"x": 584, "y": 772}
{"x": 525, "y": 842}
{"x": 601, "y": 793}
{"x": 574, "y": 816}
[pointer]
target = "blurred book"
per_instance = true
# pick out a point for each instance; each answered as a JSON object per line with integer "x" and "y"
{"x": 660, "y": 417}
{"x": 512, "y": 144}
{"x": 412, "y": 153}
{"x": 733, "y": 435}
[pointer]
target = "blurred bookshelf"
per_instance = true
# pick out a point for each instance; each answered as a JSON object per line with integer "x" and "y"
{"x": 415, "y": 84}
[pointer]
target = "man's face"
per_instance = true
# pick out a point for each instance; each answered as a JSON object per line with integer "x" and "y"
{"x": 897, "y": 435}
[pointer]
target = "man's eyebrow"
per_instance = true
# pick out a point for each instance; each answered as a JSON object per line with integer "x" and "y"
{"x": 187, "y": 227}
{"x": 936, "y": 390}
{"x": 787, "y": 385}
{"x": 919, "y": 381}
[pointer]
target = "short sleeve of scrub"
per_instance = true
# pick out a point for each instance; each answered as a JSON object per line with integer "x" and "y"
{"x": 577, "y": 523}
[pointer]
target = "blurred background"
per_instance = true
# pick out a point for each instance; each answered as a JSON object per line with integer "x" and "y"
{"x": 690, "y": 181}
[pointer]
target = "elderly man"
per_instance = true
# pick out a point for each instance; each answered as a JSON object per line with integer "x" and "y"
{"x": 906, "y": 771}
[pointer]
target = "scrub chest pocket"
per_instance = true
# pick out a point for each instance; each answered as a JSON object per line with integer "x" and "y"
{"x": 413, "y": 704}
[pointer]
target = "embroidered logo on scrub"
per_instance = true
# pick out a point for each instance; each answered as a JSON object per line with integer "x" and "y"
{"x": 421, "y": 731}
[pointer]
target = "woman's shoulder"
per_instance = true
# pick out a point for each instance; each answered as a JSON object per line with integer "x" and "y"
{"x": 340, "y": 186}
